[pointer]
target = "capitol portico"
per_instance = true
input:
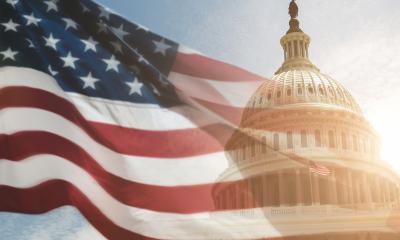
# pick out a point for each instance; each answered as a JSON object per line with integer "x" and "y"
{"x": 298, "y": 119}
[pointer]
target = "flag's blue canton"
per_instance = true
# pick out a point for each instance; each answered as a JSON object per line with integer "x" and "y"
{"x": 87, "y": 49}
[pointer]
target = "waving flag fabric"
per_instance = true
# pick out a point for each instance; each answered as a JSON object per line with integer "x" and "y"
{"x": 125, "y": 125}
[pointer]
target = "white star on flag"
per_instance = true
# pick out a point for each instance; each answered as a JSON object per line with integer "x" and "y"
{"x": 10, "y": 26}
{"x": 69, "y": 60}
{"x": 90, "y": 44}
{"x": 12, "y": 2}
{"x": 141, "y": 57}
{"x": 104, "y": 13}
{"x": 51, "y": 6}
{"x": 51, "y": 42}
{"x": 89, "y": 81}
{"x": 120, "y": 31}
{"x": 112, "y": 63}
{"x": 9, "y": 54}
{"x": 69, "y": 23}
{"x": 161, "y": 47}
{"x": 31, "y": 19}
{"x": 117, "y": 47}
{"x": 135, "y": 87}
{"x": 102, "y": 27}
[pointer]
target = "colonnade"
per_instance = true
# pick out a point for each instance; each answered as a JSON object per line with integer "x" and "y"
{"x": 296, "y": 48}
{"x": 293, "y": 187}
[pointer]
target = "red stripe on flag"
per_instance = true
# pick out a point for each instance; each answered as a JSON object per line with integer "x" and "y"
{"x": 176, "y": 199}
{"x": 231, "y": 114}
{"x": 203, "y": 67}
{"x": 164, "y": 144}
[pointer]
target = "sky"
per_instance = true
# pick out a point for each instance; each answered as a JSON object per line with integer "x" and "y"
{"x": 356, "y": 42}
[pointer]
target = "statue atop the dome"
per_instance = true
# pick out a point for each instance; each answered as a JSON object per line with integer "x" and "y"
{"x": 294, "y": 23}
{"x": 293, "y": 9}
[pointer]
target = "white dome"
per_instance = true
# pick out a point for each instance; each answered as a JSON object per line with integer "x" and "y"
{"x": 307, "y": 87}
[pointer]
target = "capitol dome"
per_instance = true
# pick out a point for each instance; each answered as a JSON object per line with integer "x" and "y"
{"x": 303, "y": 87}
{"x": 300, "y": 83}
{"x": 307, "y": 157}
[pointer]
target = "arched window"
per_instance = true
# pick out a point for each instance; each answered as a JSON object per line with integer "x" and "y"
{"x": 321, "y": 90}
{"x": 330, "y": 89}
{"x": 331, "y": 137}
{"x": 264, "y": 144}
{"x": 289, "y": 92}
{"x": 318, "y": 138}
{"x": 278, "y": 94}
{"x": 355, "y": 143}
{"x": 303, "y": 134}
{"x": 289, "y": 140}
{"x": 243, "y": 153}
{"x": 310, "y": 89}
{"x": 276, "y": 141}
{"x": 253, "y": 148}
{"x": 344, "y": 140}
{"x": 365, "y": 145}
{"x": 339, "y": 93}
{"x": 372, "y": 147}
{"x": 269, "y": 96}
{"x": 299, "y": 89}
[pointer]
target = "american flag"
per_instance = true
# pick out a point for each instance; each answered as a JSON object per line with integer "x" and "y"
{"x": 319, "y": 169}
{"x": 126, "y": 125}
{"x": 313, "y": 166}
{"x": 104, "y": 115}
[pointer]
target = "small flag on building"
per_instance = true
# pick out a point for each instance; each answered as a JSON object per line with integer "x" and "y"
{"x": 319, "y": 169}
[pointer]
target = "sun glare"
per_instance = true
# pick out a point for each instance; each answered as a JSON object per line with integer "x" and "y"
{"x": 386, "y": 121}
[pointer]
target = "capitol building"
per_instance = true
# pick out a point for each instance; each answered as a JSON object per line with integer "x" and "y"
{"x": 293, "y": 125}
